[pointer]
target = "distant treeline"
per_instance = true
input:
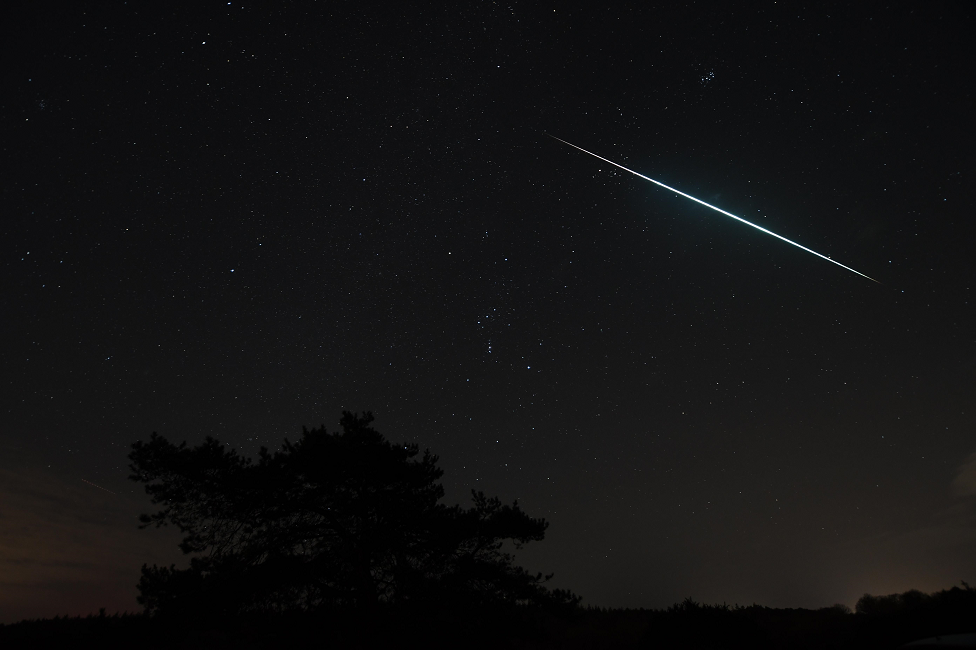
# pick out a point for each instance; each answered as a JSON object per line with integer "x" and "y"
{"x": 879, "y": 622}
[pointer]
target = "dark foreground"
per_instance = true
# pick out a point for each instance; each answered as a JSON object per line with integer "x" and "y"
{"x": 880, "y": 622}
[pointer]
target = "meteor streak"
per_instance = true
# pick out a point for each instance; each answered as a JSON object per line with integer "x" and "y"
{"x": 720, "y": 210}
{"x": 98, "y": 486}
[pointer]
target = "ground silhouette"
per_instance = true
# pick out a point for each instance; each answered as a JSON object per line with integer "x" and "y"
{"x": 879, "y": 623}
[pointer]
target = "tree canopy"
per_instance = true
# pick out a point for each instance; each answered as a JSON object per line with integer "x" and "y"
{"x": 335, "y": 519}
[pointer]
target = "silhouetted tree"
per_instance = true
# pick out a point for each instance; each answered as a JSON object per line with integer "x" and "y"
{"x": 332, "y": 520}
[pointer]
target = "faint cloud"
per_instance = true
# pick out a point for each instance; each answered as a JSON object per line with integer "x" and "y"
{"x": 965, "y": 481}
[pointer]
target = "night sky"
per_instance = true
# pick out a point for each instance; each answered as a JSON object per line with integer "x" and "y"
{"x": 235, "y": 221}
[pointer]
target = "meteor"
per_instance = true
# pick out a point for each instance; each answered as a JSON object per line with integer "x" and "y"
{"x": 98, "y": 486}
{"x": 719, "y": 210}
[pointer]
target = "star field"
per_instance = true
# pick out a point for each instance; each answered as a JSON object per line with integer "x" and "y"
{"x": 237, "y": 221}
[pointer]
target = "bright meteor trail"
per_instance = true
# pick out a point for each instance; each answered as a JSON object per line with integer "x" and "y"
{"x": 720, "y": 210}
